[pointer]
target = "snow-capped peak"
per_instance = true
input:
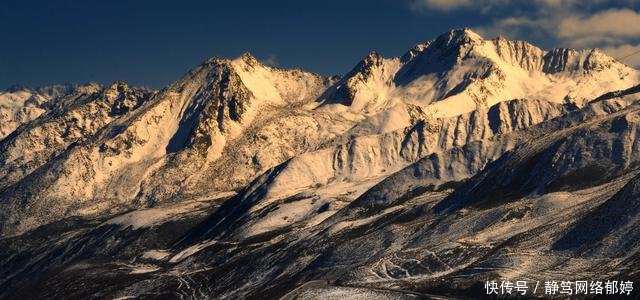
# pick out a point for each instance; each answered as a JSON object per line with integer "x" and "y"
{"x": 227, "y": 120}
{"x": 365, "y": 88}
{"x": 458, "y": 37}
{"x": 250, "y": 59}
{"x": 460, "y": 71}
{"x": 275, "y": 85}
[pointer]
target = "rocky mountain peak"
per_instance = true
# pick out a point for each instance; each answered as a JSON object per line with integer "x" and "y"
{"x": 213, "y": 61}
{"x": 577, "y": 61}
{"x": 439, "y": 54}
{"x": 373, "y": 57}
{"x": 117, "y": 86}
{"x": 56, "y": 90}
{"x": 458, "y": 37}
{"x": 249, "y": 59}
{"x": 215, "y": 99}
{"x": 414, "y": 51}
{"x": 123, "y": 97}
{"x": 368, "y": 63}
{"x": 88, "y": 88}
{"x": 359, "y": 85}
{"x": 518, "y": 53}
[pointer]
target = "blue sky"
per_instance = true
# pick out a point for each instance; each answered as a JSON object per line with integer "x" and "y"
{"x": 153, "y": 43}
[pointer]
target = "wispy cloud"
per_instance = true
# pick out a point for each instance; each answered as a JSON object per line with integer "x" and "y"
{"x": 625, "y": 50}
{"x": 271, "y": 60}
{"x": 601, "y": 26}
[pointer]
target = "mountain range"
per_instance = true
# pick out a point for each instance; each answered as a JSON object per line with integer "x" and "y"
{"x": 464, "y": 160}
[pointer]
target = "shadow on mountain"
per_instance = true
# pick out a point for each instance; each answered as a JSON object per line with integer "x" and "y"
{"x": 616, "y": 220}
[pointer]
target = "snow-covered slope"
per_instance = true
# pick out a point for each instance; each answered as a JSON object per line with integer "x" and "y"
{"x": 72, "y": 119}
{"x": 227, "y": 121}
{"x": 19, "y": 105}
{"x": 429, "y": 238}
{"x": 460, "y": 71}
{"x": 128, "y": 150}
{"x": 455, "y": 162}
{"x": 414, "y": 245}
{"x": 292, "y": 193}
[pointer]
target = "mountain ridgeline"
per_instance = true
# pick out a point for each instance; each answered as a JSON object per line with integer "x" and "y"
{"x": 465, "y": 159}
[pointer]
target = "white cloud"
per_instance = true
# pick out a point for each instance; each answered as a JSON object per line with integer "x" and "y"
{"x": 574, "y": 28}
{"x": 591, "y": 41}
{"x": 625, "y": 50}
{"x": 608, "y": 23}
{"x": 271, "y": 60}
{"x": 514, "y": 27}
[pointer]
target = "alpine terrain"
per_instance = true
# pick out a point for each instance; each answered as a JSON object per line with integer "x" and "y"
{"x": 463, "y": 161}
